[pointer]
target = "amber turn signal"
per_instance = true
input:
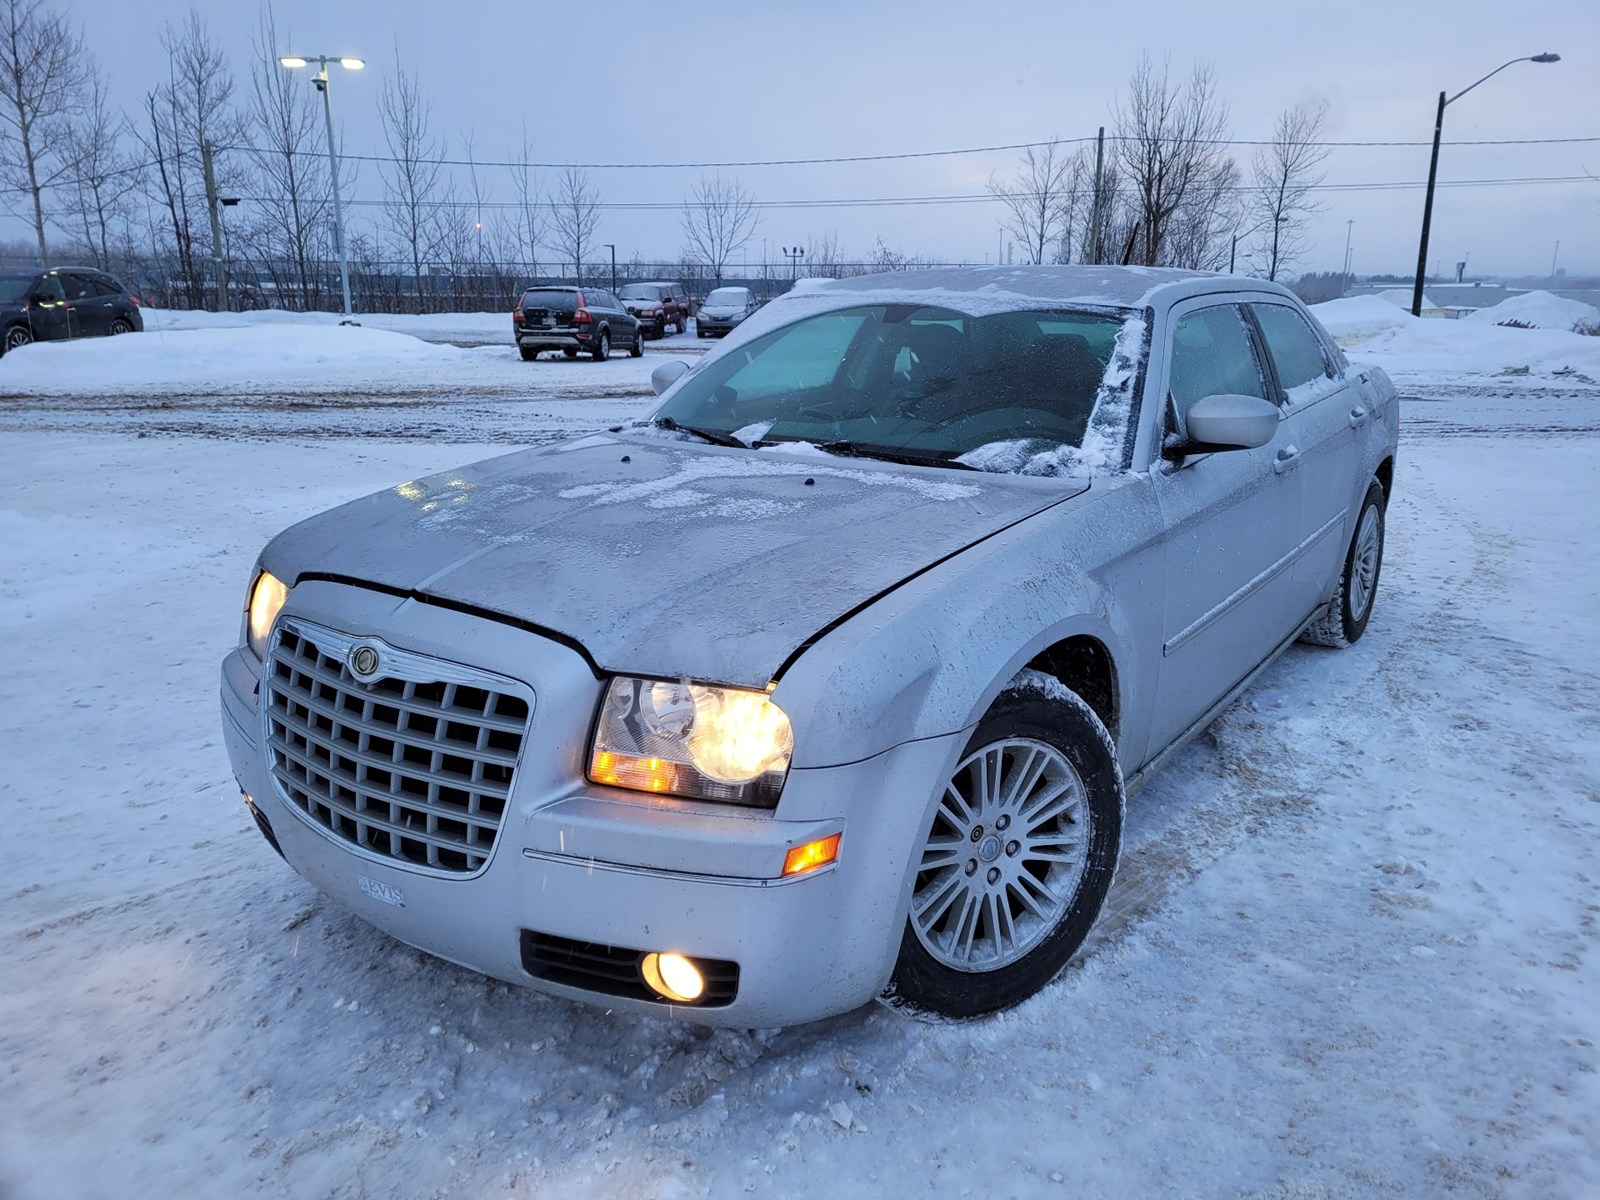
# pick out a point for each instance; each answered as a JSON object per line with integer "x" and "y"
{"x": 811, "y": 856}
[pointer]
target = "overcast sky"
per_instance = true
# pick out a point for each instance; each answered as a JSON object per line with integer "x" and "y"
{"x": 628, "y": 82}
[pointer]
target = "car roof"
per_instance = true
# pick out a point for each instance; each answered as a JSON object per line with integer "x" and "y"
{"x": 1011, "y": 288}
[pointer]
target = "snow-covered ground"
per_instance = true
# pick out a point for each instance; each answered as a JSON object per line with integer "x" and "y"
{"x": 1351, "y": 951}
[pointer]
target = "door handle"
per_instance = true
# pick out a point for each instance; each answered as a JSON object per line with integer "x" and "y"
{"x": 1358, "y": 417}
{"x": 1288, "y": 458}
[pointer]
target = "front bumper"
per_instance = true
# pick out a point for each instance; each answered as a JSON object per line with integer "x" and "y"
{"x": 597, "y": 865}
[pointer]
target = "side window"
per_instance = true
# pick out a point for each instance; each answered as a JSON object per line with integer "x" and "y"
{"x": 104, "y": 285}
{"x": 1295, "y": 350}
{"x": 50, "y": 290}
{"x": 1212, "y": 355}
{"x": 78, "y": 287}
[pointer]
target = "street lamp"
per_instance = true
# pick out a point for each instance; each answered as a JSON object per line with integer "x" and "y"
{"x": 321, "y": 81}
{"x": 1433, "y": 171}
{"x": 794, "y": 254}
{"x": 613, "y": 250}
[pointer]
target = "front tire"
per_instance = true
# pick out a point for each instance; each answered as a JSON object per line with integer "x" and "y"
{"x": 1345, "y": 619}
{"x": 1018, "y": 857}
{"x": 17, "y": 337}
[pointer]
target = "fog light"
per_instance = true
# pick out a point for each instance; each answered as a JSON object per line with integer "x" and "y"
{"x": 673, "y": 977}
{"x": 812, "y": 856}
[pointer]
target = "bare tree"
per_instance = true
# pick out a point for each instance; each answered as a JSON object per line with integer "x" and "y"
{"x": 190, "y": 125}
{"x": 718, "y": 218}
{"x": 42, "y": 73}
{"x": 1286, "y": 173}
{"x": 1036, "y": 201}
{"x": 530, "y": 213}
{"x": 414, "y": 185}
{"x": 98, "y": 190}
{"x": 293, "y": 193}
{"x": 574, "y": 215}
{"x": 1171, "y": 151}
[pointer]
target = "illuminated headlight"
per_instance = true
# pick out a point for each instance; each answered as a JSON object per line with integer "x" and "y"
{"x": 267, "y": 595}
{"x": 691, "y": 739}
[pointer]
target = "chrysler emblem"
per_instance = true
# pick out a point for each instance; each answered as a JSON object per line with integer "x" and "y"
{"x": 363, "y": 660}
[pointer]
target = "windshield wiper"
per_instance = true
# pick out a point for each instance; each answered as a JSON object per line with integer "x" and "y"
{"x": 715, "y": 436}
{"x": 885, "y": 454}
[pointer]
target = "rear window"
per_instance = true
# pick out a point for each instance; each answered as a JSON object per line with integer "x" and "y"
{"x": 557, "y": 298}
{"x": 728, "y": 296}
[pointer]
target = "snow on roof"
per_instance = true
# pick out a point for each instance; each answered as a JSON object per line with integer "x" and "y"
{"x": 1118, "y": 287}
{"x": 1401, "y": 298}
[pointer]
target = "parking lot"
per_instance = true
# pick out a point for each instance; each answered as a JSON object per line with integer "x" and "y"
{"x": 1351, "y": 949}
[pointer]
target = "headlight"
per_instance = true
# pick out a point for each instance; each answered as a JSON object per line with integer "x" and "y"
{"x": 691, "y": 739}
{"x": 266, "y": 599}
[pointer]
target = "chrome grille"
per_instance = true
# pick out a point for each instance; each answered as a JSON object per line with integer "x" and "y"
{"x": 410, "y": 769}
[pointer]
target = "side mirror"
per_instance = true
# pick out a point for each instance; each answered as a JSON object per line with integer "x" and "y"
{"x": 667, "y": 374}
{"x": 1226, "y": 422}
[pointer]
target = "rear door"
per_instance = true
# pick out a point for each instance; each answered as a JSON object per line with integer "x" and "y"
{"x": 1230, "y": 519}
{"x": 89, "y": 311}
{"x": 1323, "y": 416}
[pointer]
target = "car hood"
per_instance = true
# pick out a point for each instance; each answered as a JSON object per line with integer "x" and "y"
{"x": 663, "y": 558}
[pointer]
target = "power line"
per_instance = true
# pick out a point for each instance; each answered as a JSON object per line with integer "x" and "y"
{"x": 861, "y": 158}
{"x": 954, "y": 199}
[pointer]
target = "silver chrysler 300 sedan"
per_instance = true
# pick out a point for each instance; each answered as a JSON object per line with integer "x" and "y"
{"x": 827, "y": 681}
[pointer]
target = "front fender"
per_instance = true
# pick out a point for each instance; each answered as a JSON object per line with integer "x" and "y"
{"x": 929, "y": 658}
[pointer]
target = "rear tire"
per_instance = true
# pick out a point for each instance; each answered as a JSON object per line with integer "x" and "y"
{"x": 1018, "y": 856}
{"x": 120, "y": 326}
{"x": 528, "y": 354}
{"x": 602, "y": 348}
{"x": 1345, "y": 619}
{"x": 636, "y": 348}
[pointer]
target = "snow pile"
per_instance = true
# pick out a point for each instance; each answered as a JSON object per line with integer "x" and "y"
{"x": 460, "y": 326}
{"x": 1542, "y": 310}
{"x": 201, "y": 357}
{"x": 1357, "y": 317}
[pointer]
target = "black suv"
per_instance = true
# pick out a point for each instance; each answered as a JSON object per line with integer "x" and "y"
{"x": 64, "y": 302}
{"x": 658, "y": 305}
{"x": 571, "y": 319}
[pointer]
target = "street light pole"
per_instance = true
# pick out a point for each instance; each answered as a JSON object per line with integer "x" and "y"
{"x": 226, "y": 202}
{"x": 322, "y": 82}
{"x": 613, "y": 250}
{"x": 1349, "y": 228}
{"x": 794, "y": 255}
{"x": 1433, "y": 171}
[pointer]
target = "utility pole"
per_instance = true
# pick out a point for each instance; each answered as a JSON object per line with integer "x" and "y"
{"x": 1094, "y": 215}
{"x": 219, "y": 268}
{"x": 1349, "y": 228}
{"x": 1553, "y": 258}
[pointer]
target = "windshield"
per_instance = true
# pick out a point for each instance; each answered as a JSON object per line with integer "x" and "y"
{"x": 1011, "y": 391}
{"x": 640, "y": 291}
{"x": 733, "y": 297}
{"x": 13, "y": 288}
